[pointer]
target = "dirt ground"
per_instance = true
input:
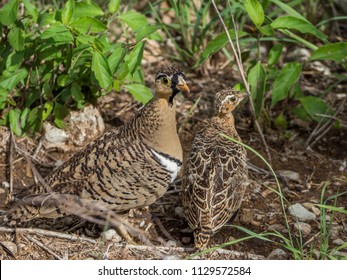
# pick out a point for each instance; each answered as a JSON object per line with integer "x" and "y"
{"x": 305, "y": 171}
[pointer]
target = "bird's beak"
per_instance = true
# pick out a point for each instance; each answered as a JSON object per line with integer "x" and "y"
{"x": 182, "y": 85}
{"x": 242, "y": 95}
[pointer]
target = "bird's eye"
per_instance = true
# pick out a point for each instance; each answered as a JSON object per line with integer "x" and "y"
{"x": 165, "y": 80}
{"x": 232, "y": 98}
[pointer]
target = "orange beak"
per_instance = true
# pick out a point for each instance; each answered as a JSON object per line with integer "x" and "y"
{"x": 183, "y": 87}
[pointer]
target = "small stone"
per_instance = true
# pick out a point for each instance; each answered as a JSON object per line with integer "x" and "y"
{"x": 171, "y": 258}
{"x": 277, "y": 254}
{"x": 276, "y": 227}
{"x": 186, "y": 240}
{"x": 111, "y": 235}
{"x": 338, "y": 242}
{"x": 171, "y": 243}
{"x": 142, "y": 224}
{"x": 301, "y": 213}
{"x": 11, "y": 246}
{"x": 303, "y": 227}
{"x": 5, "y": 185}
{"x": 315, "y": 210}
{"x": 54, "y": 135}
{"x": 290, "y": 175}
{"x": 179, "y": 211}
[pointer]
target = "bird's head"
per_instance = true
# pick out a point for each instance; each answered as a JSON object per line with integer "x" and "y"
{"x": 227, "y": 100}
{"x": 168, "y": 82}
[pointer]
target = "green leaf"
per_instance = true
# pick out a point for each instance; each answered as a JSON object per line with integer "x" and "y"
{"x": 135, "y": 57}
{"x": 14, "y": 117}
{"x": 140, "y": 92}
{"x": 9, "y": 12}
{"x": 216, "y": 44}
{"x": 267, "y": 30}
{"x": 255, "y": 12}
{"x": 303, "y": 26}
{"x": 14, "y": 61}
{"x": 16, "y": 38}
{"x": 113, "y": 6}
{"x": 31, "y": 9}
{"x": 3, "y": 98}
{"x": 274, "y": 54}
{"x": 283, "y": 82}
{"x": 315, "y": 105}
{"x": 47, "y": 110}
{"x": 281, "y": 122}
{"x": 76, "y": 92}
{"x": 134, "y": 20}
{"x": 289, "y": 10}
{"x": 58, "y": 32}
{"x": 11, "y": 81}
{"x": 101, "y": 70}
{"x": 257, "y": 80}
{"x": 60, "y": 112}
{"x": 88, "y": 24}
{"x": 335, "y": 51}
{"x": 87, "y": 9}
{"x": 146, "y": 30}
{"x": 67, "y": 12}
{"x": 34, "y": 120}
{"x": 116, "y": 57}
{"x": 23, "y": 117}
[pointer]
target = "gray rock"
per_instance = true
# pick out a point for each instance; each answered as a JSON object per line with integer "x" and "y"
{"x": 303, "y": 227}
{"x": 290, "y": 175}
{"x": 338, "y": 242}
{"x": 54, "y": 135}
{"x": 81, "y": 128}
{"x": 277, "y": 254}
{"x": 179, "y": 211}
{"x": 171, "y": 258}
{"x": 171, "y": 243}
{"x": 111, "y": 235}
{"x": 85, "y": 125}
{"x": 301, "y": 213}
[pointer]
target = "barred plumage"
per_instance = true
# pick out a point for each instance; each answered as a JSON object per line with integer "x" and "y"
{"x": 128, "y": 167}
{"x": 215, "y": 174}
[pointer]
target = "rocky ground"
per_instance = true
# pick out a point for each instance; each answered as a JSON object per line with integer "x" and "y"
{"x": 305, "y": 173}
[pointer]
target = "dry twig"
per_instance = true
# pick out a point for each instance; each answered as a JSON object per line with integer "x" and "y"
{"x": 44, "y": 247}
{"x": 47, "y": 233}
{"x": 322, "y": 129}
{"x": 237, "y": 54}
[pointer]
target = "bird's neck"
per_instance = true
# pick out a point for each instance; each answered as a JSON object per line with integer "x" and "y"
{"x": 158, "y": 127}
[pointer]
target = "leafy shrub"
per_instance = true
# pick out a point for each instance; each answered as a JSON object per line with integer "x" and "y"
{"x": 57, "y": 59}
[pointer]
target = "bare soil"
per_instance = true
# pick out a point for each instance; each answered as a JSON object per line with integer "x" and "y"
{"x": 324, "y": 164}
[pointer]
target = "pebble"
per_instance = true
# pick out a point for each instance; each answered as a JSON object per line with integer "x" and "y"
{"x": 179, "y": 211}
{"x": 171, "y": 258}
{"x": 277, "y": 227}
{"x": 111, "y": 235}
{"x": 301, "y": 213}
{"x": 338, "y": 242}
{"x": 5, "y": 185}
{"x": 11, "y": 246}
{"x": 277, "y": 254}
{"x": 290, "y": 175}
{"x": 54, "y": 135}
{"x": 303, "y": 227}
{"x": 171, "y": 243}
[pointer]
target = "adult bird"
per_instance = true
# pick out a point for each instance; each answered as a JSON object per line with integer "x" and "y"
{"x": 128, "y": 167}
{"x": 215, "y": 174}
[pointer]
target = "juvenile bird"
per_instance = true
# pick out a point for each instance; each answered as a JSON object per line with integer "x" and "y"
{"x": 128, "y": 167}
{"x": 215, "y": 174}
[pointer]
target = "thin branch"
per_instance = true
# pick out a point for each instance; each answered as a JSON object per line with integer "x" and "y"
{"x": 44, "y": 247}
{"x": 322, "y": 129}
{"x": 12, "y": 148}
{"x": 237, "y": 55}
{"x": 47, "y": 233}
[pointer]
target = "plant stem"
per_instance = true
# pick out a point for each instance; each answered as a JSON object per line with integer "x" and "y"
{"x": 237, "y": 55}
